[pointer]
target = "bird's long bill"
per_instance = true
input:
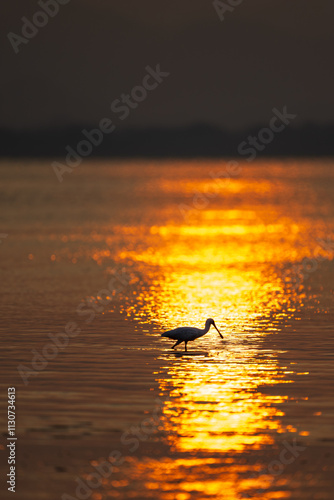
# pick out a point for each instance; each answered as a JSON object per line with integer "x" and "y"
{"x": 218, "y": 330}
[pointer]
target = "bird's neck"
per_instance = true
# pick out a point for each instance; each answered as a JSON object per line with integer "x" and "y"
{"x": 206, "y": 329}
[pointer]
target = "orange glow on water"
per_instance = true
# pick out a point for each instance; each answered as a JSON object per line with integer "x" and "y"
{"x": 216, "y": 407}
{"x": 224, "y": 263}
{"x": 222, "y": 256}
{"x": 193, "y": 244}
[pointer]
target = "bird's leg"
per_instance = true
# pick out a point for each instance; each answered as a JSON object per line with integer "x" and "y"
{"x": 177, "y": 343}
{"x": 185, "y": 346}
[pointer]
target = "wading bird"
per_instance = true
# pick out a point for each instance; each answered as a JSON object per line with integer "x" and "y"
{"x": 187, "y": 334}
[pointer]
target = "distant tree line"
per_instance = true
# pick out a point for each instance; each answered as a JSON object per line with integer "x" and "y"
{"x": 193, "y": 141}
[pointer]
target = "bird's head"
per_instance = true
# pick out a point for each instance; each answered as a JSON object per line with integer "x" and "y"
{"x": 210, "y": 322}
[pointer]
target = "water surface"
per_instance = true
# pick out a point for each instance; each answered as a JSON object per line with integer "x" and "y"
{"x": 127, "y": 250}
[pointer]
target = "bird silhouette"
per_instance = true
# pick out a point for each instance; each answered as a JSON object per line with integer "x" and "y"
{"x": 188, "y": 334}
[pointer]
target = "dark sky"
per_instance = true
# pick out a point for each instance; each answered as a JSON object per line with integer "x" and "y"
{"x": 265, "y": 54}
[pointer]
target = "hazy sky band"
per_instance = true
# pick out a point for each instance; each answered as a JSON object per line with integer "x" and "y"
{"x": 228, "y": 72}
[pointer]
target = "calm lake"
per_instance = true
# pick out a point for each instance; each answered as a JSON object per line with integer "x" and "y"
{"x": 120, "y": 252}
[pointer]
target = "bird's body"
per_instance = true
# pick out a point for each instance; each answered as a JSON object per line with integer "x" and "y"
{"x": 187, "y": 333}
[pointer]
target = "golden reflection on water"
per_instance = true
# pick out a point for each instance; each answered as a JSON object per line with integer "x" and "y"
{"x": 221, "y": 257}
{"x": 220, "y": 271}
{"x": 225, "y": 262}
{"x": 219, "y": 266}
{"x": 197, "y": 478}
{"x": 215, "y": 405}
